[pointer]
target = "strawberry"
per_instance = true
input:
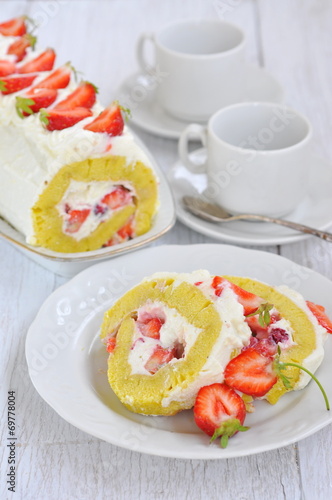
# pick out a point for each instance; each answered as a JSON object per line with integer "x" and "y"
{"x": 44, "y": 62}
{"x": 109, "y": 121}
{"x": 59, "y": 79}
{"x": 319, "y": 313}
{"x": 19, "y": 47}
{"x": 219, "y": 412}
{"x": 159, "y": 358}
{"x": 265, "y": 346}
{"x": 84, "y": 97}
{"x": 7, "y": 68}
{"x": 249, "y": 301}
{"x": 110, "y": 344}
{"x": 12, "y": 84}
{"x": 150, "y": 328}
{"x": 250, "y": 372}
{"x": 33, "y": 101}
{"x": 76, "y": 219}
{"x": 14, "y": 27}
{"x": 127, "y": 231}
{"x": 60, "y": 119}
{"x": 117, "y": 198}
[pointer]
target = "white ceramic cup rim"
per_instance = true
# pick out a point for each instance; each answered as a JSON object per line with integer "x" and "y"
{"x": 224, "y": 53}
{"x": 262, "y": 152}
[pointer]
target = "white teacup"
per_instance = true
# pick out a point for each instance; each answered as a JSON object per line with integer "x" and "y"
{"x": 200, "y": 65}
{"x": 258, "y": 157}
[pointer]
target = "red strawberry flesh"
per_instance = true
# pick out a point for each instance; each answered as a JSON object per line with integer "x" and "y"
{"x": 7, "y": 68}
{"x": 218, "y": 406}
{"x": 76, "y": 219}
{"x": 58, "y": 79}
{"x": 14, "y": 27}
{"x": 321, "y": 316}
{"x": 159, "y": 358}
{"x": 59, "y": 119}
{"x": 249, "y": 301}
{"x": 251, "y": 373}
{"x": 84, "y": 96}
{"x": 12, "y": 84}
{"x": 109, "y": 121}
{"x": 44, "y": 62}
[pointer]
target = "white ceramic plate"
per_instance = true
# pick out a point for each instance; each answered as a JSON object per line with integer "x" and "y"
{"x": 67, "y": 362}
{"x": 314, "y": 211}
{"x": 69, "y": 264}
{"x": 138, "y": 92}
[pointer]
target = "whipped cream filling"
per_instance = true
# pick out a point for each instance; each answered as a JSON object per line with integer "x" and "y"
{"x": 89, "y": 196}
{"x": 175, "y": 330}
{"x": 312, "y": 361}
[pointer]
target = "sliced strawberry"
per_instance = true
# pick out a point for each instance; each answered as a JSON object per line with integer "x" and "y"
{"x": 250, "y": 372}
{"x": 127, "y": 231}
{"x": 117, "y": 198}
{"x": 14, "y": 27}
{"x": 266, "y": 346}
{"x": 44, "y": 62}
{"x": 150, "y": 328}
{"x": 109, "y": 121}
{"x": 321, "y": 316}
{"x": 60, "y": 119}
{"x": 84, "y": 97}
{"x": 7, "y": 68}
{"x": 19, "y": 47}
{"x": 110, "y": 344}
{"x": 159, "y": 358}
{"x": 76, "y": 219}
{"x": 59, "y": 79}
{"x": 33, "y": 101}
{"x": 12, "y": 84}
{"x": 219, "y": 412}
{"x": 250, "y": 301}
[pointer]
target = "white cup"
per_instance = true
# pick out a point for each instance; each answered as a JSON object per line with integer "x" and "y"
{"x": 199, "y": 64}
{"x": 258, "y": 157}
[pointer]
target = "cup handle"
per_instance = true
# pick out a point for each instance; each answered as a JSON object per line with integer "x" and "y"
{"x": 192, "y": 132}
{"x": 146, "y": 67}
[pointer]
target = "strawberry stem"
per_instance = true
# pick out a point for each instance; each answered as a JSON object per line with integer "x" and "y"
{"x": 227, "y": 430}
{"x": 284, "y": 365}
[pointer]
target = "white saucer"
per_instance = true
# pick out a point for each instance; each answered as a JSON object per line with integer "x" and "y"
{"x": 137, "y": 93}
{"x": 314, "y": 211}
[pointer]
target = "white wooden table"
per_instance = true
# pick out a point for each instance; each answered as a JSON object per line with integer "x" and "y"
{"x": 56, "y": 461}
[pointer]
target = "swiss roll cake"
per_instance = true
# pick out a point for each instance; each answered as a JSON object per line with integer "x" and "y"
{"x": 73, "y": 177}
{"x": 173, "y": 334}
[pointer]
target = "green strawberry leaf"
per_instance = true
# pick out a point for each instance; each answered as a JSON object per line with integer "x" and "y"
{"x": 23, "y": 106}
{"x": 263, "y": 311}
{"x": 43, "y": 116}
{"x": 3, "y": 86}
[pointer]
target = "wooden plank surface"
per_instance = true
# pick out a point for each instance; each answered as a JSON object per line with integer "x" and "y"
{"x": 56, "y": 460}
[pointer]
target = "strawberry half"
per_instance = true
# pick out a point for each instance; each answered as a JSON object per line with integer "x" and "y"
{"x": 117, "y": 198}
{"x": 319, "y": 313}
{"x": 19, "y": 47}
{"x": 76, "y": 219}
{"x": 59, "y": 119}
{"x": 83, "y": 97}
{"x": 219, "y": 412}
{"x": 7, "y": 68}
{"x": 59, "y": 79}
{"x": 150, "y": 328}
{"x": 250, "y": 372}
{"x": 159, "y": 358}
{"x": 44, "y": 62}
{"x": 110, "y": 121}
{"x": 12, "y": 84}
{"x": 35, "y": 100}
{"x": 249, "y": 301}
{"x": 14, "y": 27}
{"x": 127, "y": 231}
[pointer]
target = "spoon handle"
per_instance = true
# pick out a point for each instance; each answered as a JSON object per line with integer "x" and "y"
{"x": 293, "y": 225}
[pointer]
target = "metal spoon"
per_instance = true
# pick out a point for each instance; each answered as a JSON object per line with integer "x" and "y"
{"x": 214, "y": 213}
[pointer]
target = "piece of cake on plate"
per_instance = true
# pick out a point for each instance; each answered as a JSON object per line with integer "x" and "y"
{"x": 173, "y": 334}
{"x": 72, "y": 176}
